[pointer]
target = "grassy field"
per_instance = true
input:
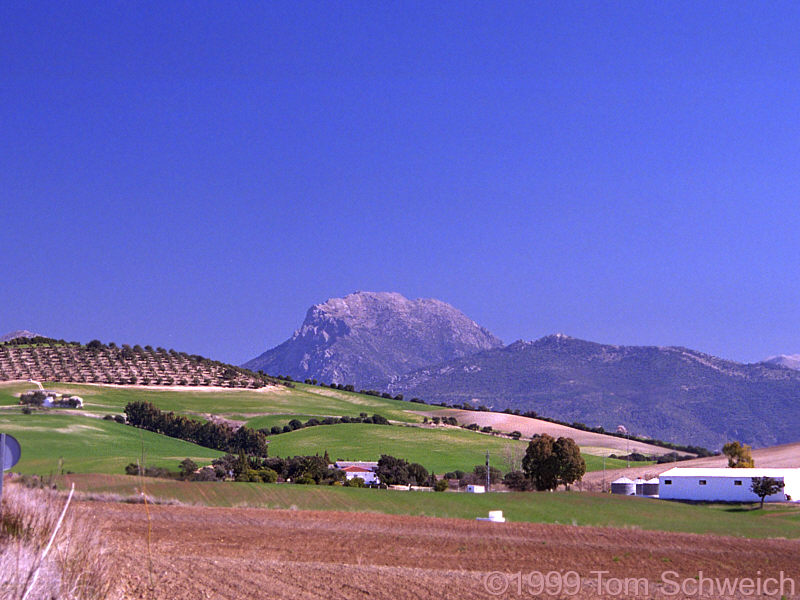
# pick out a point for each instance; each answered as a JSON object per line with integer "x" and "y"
{"x": 305, "y": 400}
{"x": 570, "y": 508}
{"x": 92, "y": 445}
{"x": 437, "y": 449}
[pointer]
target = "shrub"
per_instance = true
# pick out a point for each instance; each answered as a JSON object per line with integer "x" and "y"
{"x": 205, "y": 475}
{"x": 356, "y": 482}
{"x": 516, "y": 480}
{"x": 187, "y": 467}
{"x": 305, "y": 480}
{"x": 268, "y": 475}
{"x": 441, "y": 485}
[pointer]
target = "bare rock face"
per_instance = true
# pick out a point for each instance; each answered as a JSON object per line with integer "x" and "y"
{"x": 790, "y": 361}
{"x": 368, "y": 338}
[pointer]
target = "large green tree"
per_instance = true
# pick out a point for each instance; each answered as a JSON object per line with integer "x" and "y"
{"x": 549, "y": 463}
{"x": 571, "y": 466}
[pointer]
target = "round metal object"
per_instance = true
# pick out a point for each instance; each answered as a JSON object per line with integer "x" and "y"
{"x": 11, "y": 452}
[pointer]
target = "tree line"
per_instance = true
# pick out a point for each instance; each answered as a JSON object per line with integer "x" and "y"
{"x": 296, "y": 424}
{"x": 218, "y": 436}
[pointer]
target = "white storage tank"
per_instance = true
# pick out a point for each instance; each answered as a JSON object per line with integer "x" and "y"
{"x": 650, "y": 488}
{"x": 623, "y": 486}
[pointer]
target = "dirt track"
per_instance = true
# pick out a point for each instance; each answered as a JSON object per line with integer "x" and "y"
{"x": 257, "y": 553}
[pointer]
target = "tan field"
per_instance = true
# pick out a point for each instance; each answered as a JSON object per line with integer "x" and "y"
{"x": 596, "y": 442}
{"x": 242, "y": 553}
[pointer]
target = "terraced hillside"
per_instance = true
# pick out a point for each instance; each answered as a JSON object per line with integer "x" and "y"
{"x": 51, "y": 360}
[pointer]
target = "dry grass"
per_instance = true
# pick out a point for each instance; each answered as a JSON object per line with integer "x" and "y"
{"x": 77, "y": 566}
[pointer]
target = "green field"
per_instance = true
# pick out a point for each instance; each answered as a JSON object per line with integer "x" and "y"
{"x": 570, "y": 508}
{"x": 88, "y": 445}
{"x": 306, "y": 400}
{"x": 437, "y": 449}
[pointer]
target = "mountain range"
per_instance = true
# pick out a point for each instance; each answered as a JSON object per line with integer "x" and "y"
{"x": 670, "y": 393}
{"x": 428, "y": 349}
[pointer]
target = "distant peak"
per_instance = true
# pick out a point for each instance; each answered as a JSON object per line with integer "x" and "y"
{"x": 792, "y": 361}
{"x": 555, "y": 338}
{"x": 19, "y": 333}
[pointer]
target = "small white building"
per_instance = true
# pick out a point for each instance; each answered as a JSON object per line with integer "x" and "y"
{"x": 495, "y": 516}
{"x": 476, "y": 489}
{"x": 725, "y": 485}
{"x": 367, "y": 475}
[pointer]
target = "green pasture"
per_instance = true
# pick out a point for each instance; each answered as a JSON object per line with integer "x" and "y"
{"x": 306, "y": 400}
{"x": 82, "y": 445}
{"x": 567, "y": 508}
{"x": 437, "y": 449}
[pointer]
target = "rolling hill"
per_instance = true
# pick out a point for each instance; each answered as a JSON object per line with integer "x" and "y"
{"x": 89, "y": 444}
{"x": 44, "y": 359}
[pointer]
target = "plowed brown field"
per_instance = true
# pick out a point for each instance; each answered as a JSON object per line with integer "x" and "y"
{"x": 241, "y": 553}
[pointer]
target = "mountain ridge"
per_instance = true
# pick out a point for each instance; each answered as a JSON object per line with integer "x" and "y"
{"x": 667, "y": 392}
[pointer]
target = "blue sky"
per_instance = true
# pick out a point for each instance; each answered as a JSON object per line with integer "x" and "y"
{"x": 197, "y": 174}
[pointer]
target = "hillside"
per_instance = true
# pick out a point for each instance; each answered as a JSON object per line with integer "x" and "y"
{"x": 51, "y": 360}
{"x": 590, "y": 441}
{"x": 90, "y": 444}
{"x": 669, "y": 393}
{"x": 367, "y": 338}
{"x": 79, "y": 444}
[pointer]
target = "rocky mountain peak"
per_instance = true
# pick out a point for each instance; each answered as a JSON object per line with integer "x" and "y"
{"x": 791, "y": 361}
{"x": 367, "y": 338}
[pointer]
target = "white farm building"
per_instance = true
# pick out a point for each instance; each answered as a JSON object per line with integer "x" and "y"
{"x": 725, "y": 485}
{"x": 367, "y": 475}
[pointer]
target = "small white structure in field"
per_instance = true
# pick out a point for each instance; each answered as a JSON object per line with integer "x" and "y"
{"x": 367, "y": 475}
{"x": 650, "y": 488}
{"x": 623, "y": 486}
{"x": 725, "y": 485}
{"x": 476, "y": 489}
{"x": 495, "y": 516}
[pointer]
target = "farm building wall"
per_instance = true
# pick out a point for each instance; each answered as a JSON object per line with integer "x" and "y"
{"x": 725, "y": 485}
